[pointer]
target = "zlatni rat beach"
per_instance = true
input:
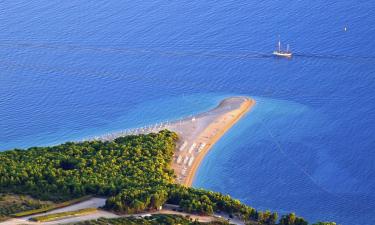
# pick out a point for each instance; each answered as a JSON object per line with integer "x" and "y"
{"x": 166, "y": 112}
{"x": 197, "y": 134}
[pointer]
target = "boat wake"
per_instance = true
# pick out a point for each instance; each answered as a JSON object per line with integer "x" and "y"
{"x": 164, "y": 51}
{"x": 333, "y": 56}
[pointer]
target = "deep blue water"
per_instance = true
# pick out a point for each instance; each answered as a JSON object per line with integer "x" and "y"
{"x": 74, "y": 69}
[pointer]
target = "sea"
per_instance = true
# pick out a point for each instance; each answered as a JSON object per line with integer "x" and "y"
{"x": 71, "y": 70}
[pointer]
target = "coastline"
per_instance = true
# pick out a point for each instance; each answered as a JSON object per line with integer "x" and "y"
{"x": 193, "y": 131}
{"x": 243, "y": 111}
{"x": 199, "y": 134}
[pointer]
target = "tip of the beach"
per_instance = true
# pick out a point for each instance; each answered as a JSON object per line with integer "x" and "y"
{"x": 200, "y": 132}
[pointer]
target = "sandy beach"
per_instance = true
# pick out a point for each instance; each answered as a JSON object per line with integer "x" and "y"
{"x": 197, "y": 134}
{"x": 200, "y": 132}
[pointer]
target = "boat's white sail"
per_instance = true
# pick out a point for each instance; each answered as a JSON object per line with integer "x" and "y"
{"x": 279, "y": 52}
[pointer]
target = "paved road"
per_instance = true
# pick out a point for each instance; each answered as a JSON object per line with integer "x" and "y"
{"x": 91, "y": 203}
{"x": 98, "y": 202}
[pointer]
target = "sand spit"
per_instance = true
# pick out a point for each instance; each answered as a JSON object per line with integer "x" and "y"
{"x": 197, "y": 134}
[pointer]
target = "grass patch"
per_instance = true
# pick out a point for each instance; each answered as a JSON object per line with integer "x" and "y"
{"x": 57, "y": 216}
{"x": 51, "y": 207}
{"x": 11, "y": 204}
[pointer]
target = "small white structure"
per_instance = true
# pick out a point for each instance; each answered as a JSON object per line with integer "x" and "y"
{"x": 186, "y": 160}
{"x": 201, "y": 146}
{"x": 281, "y": 53}
{"x": 191, "y": 161}
{"x": 145, "y": 215}
{"x": 183, "y": 146}
{"x": 192, "y": 147}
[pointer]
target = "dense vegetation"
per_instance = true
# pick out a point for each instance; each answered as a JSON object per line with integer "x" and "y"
{"x": 133, "y": 172}
{"x": 150, "y": 220}
{"x": 76, "y": 169}
{"x": 207, "y": 202}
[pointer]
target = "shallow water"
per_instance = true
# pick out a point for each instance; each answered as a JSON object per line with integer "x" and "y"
{"x": 76, "y": 69}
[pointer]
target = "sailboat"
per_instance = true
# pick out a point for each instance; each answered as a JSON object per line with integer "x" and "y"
{"x": 281, "y": 53}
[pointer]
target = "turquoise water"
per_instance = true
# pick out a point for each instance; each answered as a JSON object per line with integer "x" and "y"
{"x": 137, "y": 115}
{"x": 75, "y": 69}
{"x": 276, "y": 163}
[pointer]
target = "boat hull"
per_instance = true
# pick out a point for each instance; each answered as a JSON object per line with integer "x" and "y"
{"x": 282, "y": 54}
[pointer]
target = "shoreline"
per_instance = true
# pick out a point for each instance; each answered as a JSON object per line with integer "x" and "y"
{"x": 249, "y": 104}
{"x": 199, "y": 134}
